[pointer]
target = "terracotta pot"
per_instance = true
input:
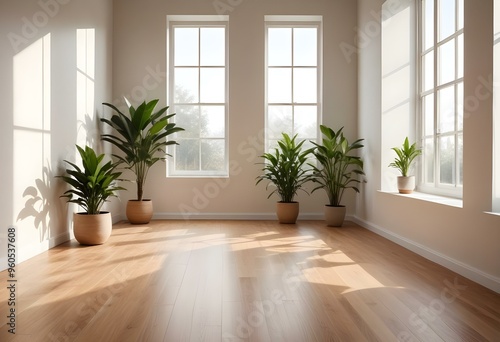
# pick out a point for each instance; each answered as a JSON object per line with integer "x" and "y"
{"x": 287, "y": 212}
{"x": 406, "y": 185}
{"x": 139, "y": 212}
{"x": 92, "y": 229}
{"x": 334, "y": 216}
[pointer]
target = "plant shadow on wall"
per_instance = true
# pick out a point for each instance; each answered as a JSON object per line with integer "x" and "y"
{"x": 42, "y": 204}
{"x": 91, "y": 130}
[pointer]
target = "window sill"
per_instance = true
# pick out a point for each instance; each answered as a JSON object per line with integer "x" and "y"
{"x": 449, "y": 201}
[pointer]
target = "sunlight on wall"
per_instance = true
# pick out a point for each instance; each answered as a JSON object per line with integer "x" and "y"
{"x": 397, "y": 88}
{"x": 32, "y": 139}
{"x": 87, "y": 125}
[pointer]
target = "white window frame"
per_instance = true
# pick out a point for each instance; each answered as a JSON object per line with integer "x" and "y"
{"x": 436, "y": 187}
{"x": 276, "y": 21}
{"x": 198, "y": 21}
{"x": 496, "y": 108}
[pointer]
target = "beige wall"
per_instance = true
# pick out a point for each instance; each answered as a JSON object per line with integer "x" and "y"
{"x": 463, "y": 239}
{"x": 46, "y": 110}
{"x": 140, "y": 46}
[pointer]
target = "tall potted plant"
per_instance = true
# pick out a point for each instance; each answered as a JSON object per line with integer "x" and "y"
{"x": 284, "y": 169}
{"x": 142, "y": 137}
{"x": 405, "y": 156}
{"x": 91, "y": 186}
{"x": 337, "y": 171}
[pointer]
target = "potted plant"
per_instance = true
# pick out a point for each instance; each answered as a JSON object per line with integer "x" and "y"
{"x": 284, "y": 169}
{"x": 337, "y": 171}
{"x": 403, "y": 162}
{"x": 142, "y": 137}
{"x": 90, "y": 188}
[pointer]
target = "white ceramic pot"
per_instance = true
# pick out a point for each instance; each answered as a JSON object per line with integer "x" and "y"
{"x": 406, "y": 185}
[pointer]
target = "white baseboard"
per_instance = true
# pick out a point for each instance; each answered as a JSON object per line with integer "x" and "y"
{"x": 230, "y": 216}
{"x": 474, "y": 274}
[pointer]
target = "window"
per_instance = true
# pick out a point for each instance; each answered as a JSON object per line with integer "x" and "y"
{"x": 198, "y": 94}
{"x": 293, "y": 78}
{"x": 441, "y": 96}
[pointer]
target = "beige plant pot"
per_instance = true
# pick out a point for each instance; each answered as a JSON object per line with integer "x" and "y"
{"x": 139, "y": 212}
{"x": 334, "y": 216}
{"x": 287, "y": 212}
{"x": 406, "y": 185}
{"x": 92, "y": 229}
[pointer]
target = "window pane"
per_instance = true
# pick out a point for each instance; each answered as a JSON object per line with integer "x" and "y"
{"x": 428, "y": 73}
{"x": 212, "y": 42}
{"x": 305, "y": 85}
{"x": 187, "y": 156}
{"x": 446, "y": 18}
{"x": 460, "y": 56}
{"x": 188, "y": 117}
{"x": 279, "y": 89}
{"x": 429, "y": 160}
{"x": 279, "y": 46}
{"x": 429, "y": 115}
{"x": 460, "y": 157}
{"x": 279, "y": 119}
{"x": 447, "y": 160}
{"x": 212, "y": 85}
{"x": 460, "y": 106}
{"x": 305, "y": 121}
{"x": 305, "y": 51}
{"x": 212, "y": 155}
{"x": 460, "y": 8}
{"x": 186, "y": 46}
{"x": 428, "y": 26}
{"x": 447, "y": 62}
{"x": 447, "y": 109}
{"x": 212, "y": 122}
{"x": 186, "y": 85}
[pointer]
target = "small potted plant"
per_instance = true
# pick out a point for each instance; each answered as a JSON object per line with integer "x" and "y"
{"x": 403, "y": 162}
{"x": 91, "y": 187}
{"x": 142, "y": 137}
{"x": 337, "y": 171}
{"x": 284, "y": 169}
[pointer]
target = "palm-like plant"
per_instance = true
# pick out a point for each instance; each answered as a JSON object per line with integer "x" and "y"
{"x": 284, "y": 168}
{"x": 405, "y": 157}
{"x": 142, "y": 137}
{"x": 92, "y": 185}
{"x": 339, "y": 168}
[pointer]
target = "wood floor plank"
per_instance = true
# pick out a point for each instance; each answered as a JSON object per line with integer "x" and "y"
{"x": 244, "y": 281}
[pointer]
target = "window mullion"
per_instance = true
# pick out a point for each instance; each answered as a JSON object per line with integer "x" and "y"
{"x": 437, "y": 163}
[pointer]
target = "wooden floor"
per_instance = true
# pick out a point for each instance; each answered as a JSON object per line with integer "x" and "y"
{"x": 244, "y": 281}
